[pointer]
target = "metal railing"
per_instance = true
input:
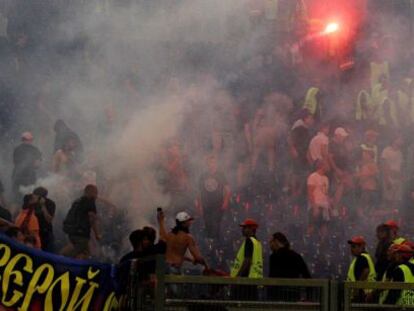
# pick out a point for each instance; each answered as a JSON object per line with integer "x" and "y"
{"x": 222, "y": 293}
{"x": 371, "y": 293}
{"x": 168, "y": 292}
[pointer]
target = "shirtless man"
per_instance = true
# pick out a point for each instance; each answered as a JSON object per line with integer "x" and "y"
{"x": 178, "y": 241}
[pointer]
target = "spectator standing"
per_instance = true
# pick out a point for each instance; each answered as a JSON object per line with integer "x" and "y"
{"x": 26, "y": 160}
{"x": 318, "y": 198}
{"x": 368, "y": 175}
{"x": 392, "y": 177}
{"x": 27, "y": 221}
{"x": 4, "y": 212}
{"x": 135, "y": 238}
{"x": 45, "y": 212}
{"x": 62, "y": 134}
{"x": 318, "y": 147}
{"x": 214, "y": 197}
{"x": 382, "y": 261}
{"x": 370, "y": 143}
{"x": 298, "y": 141}
{"x": 341, "y": 164}
{"x": 64, "y": 160}
{"x": 178, "y": 241}
{"x": 286, "y": 264}
{"x": 80, "y": 220}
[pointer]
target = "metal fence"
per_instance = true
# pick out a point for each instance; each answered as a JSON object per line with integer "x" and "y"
{"x": 169, "y": 292}
{"x": 373, "y": 295}
{"x": 221, "y": 293}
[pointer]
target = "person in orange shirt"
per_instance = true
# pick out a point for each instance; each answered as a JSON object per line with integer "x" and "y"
{"x": 27, "y": 221}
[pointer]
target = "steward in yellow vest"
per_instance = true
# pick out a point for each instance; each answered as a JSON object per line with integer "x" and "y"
{"x": 249, "y": 259}
{"x": 403, "y": 272}
{"x": 313, "y": 102}
{"x": 362, "y": 267}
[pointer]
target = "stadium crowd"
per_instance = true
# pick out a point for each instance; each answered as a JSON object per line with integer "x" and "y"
{"x": 323, "y": 158}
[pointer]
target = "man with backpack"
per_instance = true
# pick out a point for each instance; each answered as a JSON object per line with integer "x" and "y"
{"x": 79, "y": 222}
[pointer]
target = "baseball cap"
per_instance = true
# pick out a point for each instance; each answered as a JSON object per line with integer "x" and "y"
{"x": 392, "y": 224}
{"x": 357, "y": 240}
{"x": 340, "y": 131}
{"x": 409, "y": 243}
{"x": 27, "y": 136}
{"x": 183, "y": 216}
{"x": 402, "y": 248}
{"x": 249, "y": 223}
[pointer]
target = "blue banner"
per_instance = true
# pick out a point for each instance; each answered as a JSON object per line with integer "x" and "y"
{"x": 34, "y": 280}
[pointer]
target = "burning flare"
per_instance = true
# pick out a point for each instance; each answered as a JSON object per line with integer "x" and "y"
{"x": 331, "y": 28}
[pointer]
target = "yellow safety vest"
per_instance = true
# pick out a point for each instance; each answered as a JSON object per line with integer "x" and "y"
{"x": 384, "y": 293}
{"x": 407, "y": 295}
{"x": 256, "y": 268}
{"x": 378, "y": 70}
{"x": 398, "y": 241}
{"x": 311, "y": 103}
{"x": 372, "y": 273}
{"x": 360, "y": 113}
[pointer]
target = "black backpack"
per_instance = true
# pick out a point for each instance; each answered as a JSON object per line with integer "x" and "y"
{"x": 73, "y": 223}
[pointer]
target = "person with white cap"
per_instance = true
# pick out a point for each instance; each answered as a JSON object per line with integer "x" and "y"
{"x": 26, "y": 160}
{"x": 178, "y": 241}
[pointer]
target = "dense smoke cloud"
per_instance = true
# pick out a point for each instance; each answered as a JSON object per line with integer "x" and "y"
{"x": 124, "y": 76}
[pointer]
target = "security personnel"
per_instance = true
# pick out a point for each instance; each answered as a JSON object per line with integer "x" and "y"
{"x": 378, "y": 70}
{"x": 362, "y": 267}
{"x": 249, "y": 259}
{"x": 396, "y": 239}
{"x": 313, "y": 102}
{"x": 364, "y": 106}
{"x": 403, "y": 272}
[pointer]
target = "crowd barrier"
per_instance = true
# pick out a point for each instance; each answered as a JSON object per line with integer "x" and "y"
{"x": 169, "y": 292}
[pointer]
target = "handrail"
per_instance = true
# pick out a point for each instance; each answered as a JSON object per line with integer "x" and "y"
{"x": 378, "y": 285}
{"x": 215, "y": 280}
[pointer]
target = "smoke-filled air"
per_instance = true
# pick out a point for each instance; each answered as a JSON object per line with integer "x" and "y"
{"x": 279, "y": 116}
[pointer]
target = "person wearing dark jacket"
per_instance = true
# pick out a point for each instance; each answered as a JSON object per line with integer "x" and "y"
{"x": 79, "y": 222}
{"x": 45, "y": 212}
{"x": 287, "y": 264}
{"x": 382, "y": 261}
{"x": 284, "y": 262}
{"x": 26, "y": 160}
